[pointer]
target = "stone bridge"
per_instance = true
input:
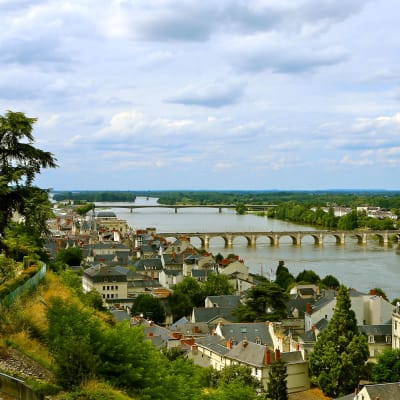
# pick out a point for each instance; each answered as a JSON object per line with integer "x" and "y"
{"x": 340, "y": 237}
{"x": 220, "y": 207}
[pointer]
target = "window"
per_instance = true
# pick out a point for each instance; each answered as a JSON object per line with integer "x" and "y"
{"x": 388, "y": 339}
{"x": 104, "y": 288}
{"x": 371, "y": 339}
{"x": 116, "y": 287}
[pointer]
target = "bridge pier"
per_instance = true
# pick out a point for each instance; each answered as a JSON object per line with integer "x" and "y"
{"x": 176, "y": 210}
{"x": 229, "y": 242}
{"x": 220, "y": 210}
{"x": 206, "y": 242}
{"x": 131, "y": 210}
{"x": 253, "y": 241}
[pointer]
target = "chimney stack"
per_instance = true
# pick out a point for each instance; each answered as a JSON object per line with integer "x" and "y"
{"x": 277, "y": 355}
{"x": 267, "y": 357}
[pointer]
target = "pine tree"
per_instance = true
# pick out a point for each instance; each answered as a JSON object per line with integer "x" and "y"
{"x": 277, "y": 388}
{"x": 340, "y": 352}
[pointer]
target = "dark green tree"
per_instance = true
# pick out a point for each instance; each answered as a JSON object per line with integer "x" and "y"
{"x": 20, "y": 162}
{"x": 180, "y": 305}
{"x": 71, "y": 256}
{"x": 387, "y": 367}
{"x": 266, "y": 301}
{"x": 330, "y": 282}
{"x": 235, "y": 382}
{"x": 192, "y": 288}
{"x": 73, "y": 339}
{"x": 340, "y": 353}
{"x": 283, "y": 277}
{"x": 277, "y": 387}
{"x": 308, "y": 276}
{"x": 150, "y": 307}
{"x": 217, "y": 285}
{"x": 241, "y": 209}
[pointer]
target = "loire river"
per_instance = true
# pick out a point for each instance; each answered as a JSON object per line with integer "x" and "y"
{"x": 359, "y": 266}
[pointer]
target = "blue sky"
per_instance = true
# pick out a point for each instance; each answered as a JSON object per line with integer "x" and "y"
{"x": 239, "y": 94}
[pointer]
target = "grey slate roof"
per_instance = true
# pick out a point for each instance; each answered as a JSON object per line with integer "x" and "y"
{"x": 146, "y": 264}
{"x": 225, "y": 301}
{"x": 213, "y": 343}
{"x": 105, "y": 214}
{"x": 178, "y": 323}
{"x": 385, "y": 391}
{"x": 252, "y": 331}
{"x": 202, "y": 314}
{"x": 102, "y": 273}
{"x": 376, "y": 330}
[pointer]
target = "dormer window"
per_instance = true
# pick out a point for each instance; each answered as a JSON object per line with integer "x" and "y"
{"x": 371, "y": 339}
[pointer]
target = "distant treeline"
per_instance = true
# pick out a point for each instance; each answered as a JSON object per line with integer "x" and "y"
{"x": 92, "y": 196}
{"x": 385, "y": 199}
{"x": 302, "y": 214}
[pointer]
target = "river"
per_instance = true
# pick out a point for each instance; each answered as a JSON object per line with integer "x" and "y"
{"x": 359, "y": 266}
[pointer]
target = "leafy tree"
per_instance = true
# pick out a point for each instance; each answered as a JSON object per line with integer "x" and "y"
{"x": 277, "y": 387}
{"x": 330, "y": 282}
{"x": 192, "y": 288}
{"x": 266, "y": 301}
{"x": 71, "y": 256}
{"x": 180, "y": 305}
{"x": 84, "y": 209}
{"x": 20, "y": 162}
{"x": 283, "y": 277}
{"x": 73, "y": 337}
{"x": 187, "y": 294}
{"x": 387, "y": 367}
{"x": 240, "y": 374}
{"x": 348, "y": 221}
{"x": 234, "y": 382}
{"x": 241, "y": 209}
{"x": 7, "y": 268}
{"x": 339, "y": 355}
{"x": 217, "y": 285}
{"x": 150, "y": 307}
{"x": 308, "y": 276}
{"x": 20, "y": 241}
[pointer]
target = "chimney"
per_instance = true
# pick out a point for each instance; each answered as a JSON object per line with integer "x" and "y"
{"x": 297, "y": 346}
{"x": 308, "y": 308}
{"x": 267, "y": 357}
{"x": 277, "y": 355}
{"x": 245, "y": 343}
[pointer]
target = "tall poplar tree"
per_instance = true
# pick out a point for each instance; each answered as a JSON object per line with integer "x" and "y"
{"x": 340, "y": 353}
{"x": 277, "y": 386}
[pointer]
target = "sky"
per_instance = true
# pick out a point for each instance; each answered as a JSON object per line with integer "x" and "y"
{"x": 207, "y": 95}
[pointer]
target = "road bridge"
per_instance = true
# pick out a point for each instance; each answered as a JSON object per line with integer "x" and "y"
{"x": 319, "y": 237}
{"x": 220, "y": 207}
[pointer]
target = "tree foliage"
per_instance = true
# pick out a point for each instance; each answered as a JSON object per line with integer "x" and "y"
{"x": 266, "y": 301}
{"x": 308, "y": 276}
{"x": 71, "y": 256}
{"x": 277, "y": 386}
{"x": 150, "y": 307}
{"x": 217, "y": 285}
{"x": 330, "y": 282}
{"x": 387, "y": 367}
{"x": 340, "y": 352}
{"x": 20, "y": 162}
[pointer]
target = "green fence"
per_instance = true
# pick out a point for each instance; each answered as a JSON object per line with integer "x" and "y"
{"x": 31, "y": 283}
